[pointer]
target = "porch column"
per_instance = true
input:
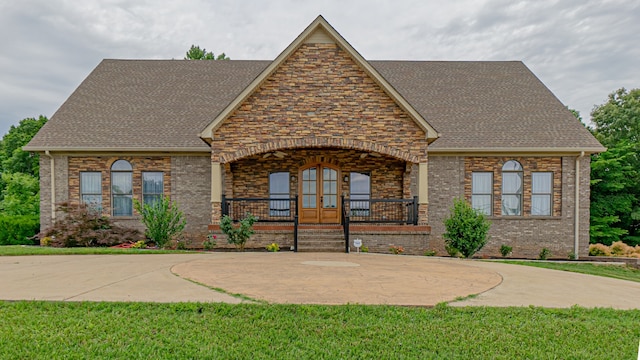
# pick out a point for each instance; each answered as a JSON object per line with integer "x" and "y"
{"x": 423, "y": 193}
{"x": 216, "y": 192}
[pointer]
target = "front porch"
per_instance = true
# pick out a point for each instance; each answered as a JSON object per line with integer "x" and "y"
{"x": 379, "y": 223}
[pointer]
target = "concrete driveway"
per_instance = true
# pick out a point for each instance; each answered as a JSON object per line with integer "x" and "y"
{"x": 313, "y": 278}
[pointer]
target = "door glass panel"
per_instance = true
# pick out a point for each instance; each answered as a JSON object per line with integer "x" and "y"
{"x": 330, "y": 188}
{"x": 309, "y": 200}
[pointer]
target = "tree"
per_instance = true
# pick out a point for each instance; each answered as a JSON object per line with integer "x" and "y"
{"x": 12, "y": 158}
{"x": 238, "y": 235}
{"x": 466, "y": 229}
{"x": 21, "y": 195}
{"x": 195, "y": 53}
{"x": 615, "y": 174}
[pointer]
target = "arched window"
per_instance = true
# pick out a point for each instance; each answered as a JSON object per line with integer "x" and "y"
{"x": 512, "y": 188}
{"x": 122, "y": 188}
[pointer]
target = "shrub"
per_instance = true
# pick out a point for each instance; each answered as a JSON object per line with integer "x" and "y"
{"x": 430, "y": 253}
{"x": 18, "y": 229}
{"x": 452, "y": 251}
{"x": 599, "y": 250}
{"x": 163, "y": 220}
{"x": 396, "y": 250}
{"x": 544, "y": 254}
{"x": 505, "y": 250}
{"x": 273, "y": 247}
{"x": 619, "y": 248}
{"x": 82, "y": 226}
{"x": 210, "y": 242}
{"x": 571, "y": 256}
{"x": 238, "y": 235}
{"x": 466, "y": 228}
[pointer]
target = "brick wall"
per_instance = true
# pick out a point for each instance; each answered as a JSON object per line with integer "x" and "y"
{"x": 527, "y": 235}
{"x": 62, "y": 190}
{"x": 319, "y": 97}
{"x": 191, "y": 189}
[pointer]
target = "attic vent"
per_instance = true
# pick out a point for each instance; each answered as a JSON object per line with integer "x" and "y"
{"x": 319, "y": 37}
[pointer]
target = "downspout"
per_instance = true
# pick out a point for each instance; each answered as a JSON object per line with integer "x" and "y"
{"x": 53, "y": 186}
{"x": 576, "y": 219}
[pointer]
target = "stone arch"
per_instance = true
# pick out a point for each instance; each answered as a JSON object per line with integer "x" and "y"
{"x": 318, "y": 142}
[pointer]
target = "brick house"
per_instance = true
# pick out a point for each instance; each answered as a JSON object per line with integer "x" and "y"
{"x": 325, "y": 146}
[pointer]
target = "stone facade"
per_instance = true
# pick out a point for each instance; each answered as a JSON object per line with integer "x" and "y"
{"x": 527, "y": 235}
{"x": 319, "y": 97}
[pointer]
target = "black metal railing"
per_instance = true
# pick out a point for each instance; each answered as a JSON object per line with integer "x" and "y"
{"x": 345, "y": 225}
{"x": 265, "y": 210}
{"x": 394, "y": 211}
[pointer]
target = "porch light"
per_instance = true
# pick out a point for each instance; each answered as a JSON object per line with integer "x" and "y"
{"x": 293, "y": 178}
{"x": 346, "y": 178}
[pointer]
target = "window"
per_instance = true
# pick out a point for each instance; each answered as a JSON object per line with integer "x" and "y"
{"x": 121, "y": 188}
{"x": 512, "y": 188}
{"x": 279, "y": 189}
{"x": 360, "y": 190}
{"x": 152, "y": 187}
{"x": 91, "y": 190}
{"x": 481, "y": 192}
{"x": 541, "y": 193}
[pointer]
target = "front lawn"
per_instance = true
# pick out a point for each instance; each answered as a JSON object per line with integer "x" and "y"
{"x": 13, "y": 250}
{"x": 54, "y": 330}
{"x": 617, "y": 271}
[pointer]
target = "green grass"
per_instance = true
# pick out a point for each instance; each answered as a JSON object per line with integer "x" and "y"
{"x": 16, "y": 250}
{"x": 55, "y": 330}
{"x": 623, "y": 272}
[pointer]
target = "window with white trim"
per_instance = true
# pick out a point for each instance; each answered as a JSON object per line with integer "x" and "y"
{"x": 279, "y": 189}
{"x": 152, "y": 187}
{"x": 91, "y": 189}
{"x": 122, "y": 188}
{"x": 541, "y": 193}
{"x": 512, "y": 188}
{"x": 482, "y": 192}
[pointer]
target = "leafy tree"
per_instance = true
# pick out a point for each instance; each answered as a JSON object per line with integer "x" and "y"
{"x": 615, "y": 174}
{"x": 466, "y": 229}
{"x": 163, "y": 219}
{"x": 12, "y": 158}
{"x": 195, "y": 53}
{"x": 238, "y": 235}
{"x": 21, "y": 195}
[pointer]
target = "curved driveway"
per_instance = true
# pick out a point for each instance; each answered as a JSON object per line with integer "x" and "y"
{"x": 315, "y": 278}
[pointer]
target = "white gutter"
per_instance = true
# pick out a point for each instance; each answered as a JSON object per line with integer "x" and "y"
{"x": 576, "y": 235}
{"x": 53, "y": 186}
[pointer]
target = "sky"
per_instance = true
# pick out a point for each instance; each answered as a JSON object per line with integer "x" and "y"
{"x": 582, "y": 50}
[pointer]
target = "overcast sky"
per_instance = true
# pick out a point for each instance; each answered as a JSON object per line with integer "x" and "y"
{"x": 581, "y": 49}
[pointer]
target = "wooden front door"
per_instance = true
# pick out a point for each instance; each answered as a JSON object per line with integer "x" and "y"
{"x": 319, "y": 201}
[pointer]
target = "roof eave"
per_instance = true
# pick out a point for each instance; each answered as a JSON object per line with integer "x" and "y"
{"x": 520, "y": 150}
{"x": 115, "y": 149}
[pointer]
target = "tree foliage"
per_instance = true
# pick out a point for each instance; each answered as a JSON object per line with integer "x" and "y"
{"x": 12, "y": 158}
{"x": 195, "y": 53}
{"x": 466, "y": 229}
{"x": 615, "y": 174}
{"x": 238, "y": 235}
{"x": 21, "y": 195}
{"x": 163, "y": 219}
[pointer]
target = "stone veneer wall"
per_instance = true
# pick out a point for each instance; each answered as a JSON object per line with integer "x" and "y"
{"x": 319, "y": 97}
{"x": 187, "y": 179}
{"x": 527, "y": 235}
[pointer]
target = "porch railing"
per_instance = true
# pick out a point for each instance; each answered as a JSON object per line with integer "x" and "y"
{"x": 393, "y": 211}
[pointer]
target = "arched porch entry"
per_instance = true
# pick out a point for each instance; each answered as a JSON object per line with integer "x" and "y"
{"x": 319, "y": 189}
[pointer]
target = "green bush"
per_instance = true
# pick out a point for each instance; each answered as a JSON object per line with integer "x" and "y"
{"x": 544, "y": 254}
{"x": 505, "y": 250}
{"x": 466, "y": 229}
{"x": 18, "y": 229}
{"x": 163, "y": 220}
{"x": 238, "y": 235}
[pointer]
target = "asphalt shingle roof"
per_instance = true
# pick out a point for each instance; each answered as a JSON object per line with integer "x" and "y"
{"x": 163, "y": 104}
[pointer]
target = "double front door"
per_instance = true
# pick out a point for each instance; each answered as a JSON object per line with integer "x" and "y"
{"x": 320, "y": 201}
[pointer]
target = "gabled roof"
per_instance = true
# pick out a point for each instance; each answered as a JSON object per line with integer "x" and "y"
{"x": 320, "y": 29}
{"x": 162, "y": 105}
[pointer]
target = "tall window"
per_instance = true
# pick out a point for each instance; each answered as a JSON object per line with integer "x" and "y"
{"x": 512, "y": 188}
{"x": 91, "y": 189}
{"x": 481, "y": 192}
{"x": 152, "y": 187}
{"x": 360, "y": 193}
{"x": 279, "y": 189}
{"x": 541, "y": 193}
{"x": 121, "y": 188}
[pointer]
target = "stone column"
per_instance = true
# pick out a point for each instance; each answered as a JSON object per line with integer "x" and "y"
{"x": 423, "y": 193}
{"x": 216, "y": 192}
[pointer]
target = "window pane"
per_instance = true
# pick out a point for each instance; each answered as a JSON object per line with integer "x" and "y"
{"x": 93, "y": 201}
{"x": 512, "y": 165}
{"x": 152, "y": 183}
{"x": 482, "y": 203}
{"x": 121, "y": 165}
{"x": 91, "y": 183}
{"x": 541, "y": 182}
{"x": 511, "y": 204}
{"x": 330, "y": 201}
{"x": 279, "y": 183}
{"x": 151, "y": 199}
{"x": 541, "y": 205}
{"x": 122, "y": 205}
{"x": 512, "y": 183}
{"x": 360, "y": 184}
{"x": 481, "y": 182}
{"x": 121, "y": 183}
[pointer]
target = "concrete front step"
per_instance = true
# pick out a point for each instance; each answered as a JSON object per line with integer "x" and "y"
{"x": 320, "y": 242}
